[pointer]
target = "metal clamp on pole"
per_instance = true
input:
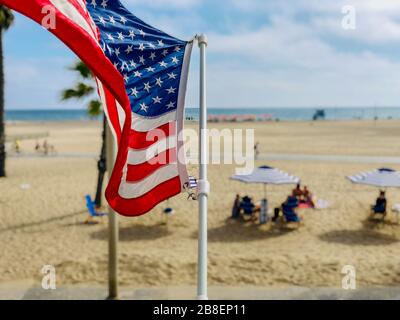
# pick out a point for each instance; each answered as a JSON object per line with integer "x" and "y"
{"x": 203, "y": 188}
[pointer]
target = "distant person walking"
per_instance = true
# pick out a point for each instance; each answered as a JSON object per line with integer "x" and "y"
{"x": 37, "y": 147}
{"x": 17, "y": 146}
{"x": 257, "y": 150}
{"x": 45, "y": 148}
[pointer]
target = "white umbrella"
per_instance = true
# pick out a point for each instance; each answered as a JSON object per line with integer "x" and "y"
{"x": 382, "y": 178}
{"x": 266, "y": 175}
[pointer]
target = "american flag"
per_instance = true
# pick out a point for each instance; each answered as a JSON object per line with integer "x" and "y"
{"x": 141, "y": 73}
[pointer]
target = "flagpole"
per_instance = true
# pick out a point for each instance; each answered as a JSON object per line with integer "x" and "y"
{"x": 203, "y": 185}
{"x": 112, "y": 225}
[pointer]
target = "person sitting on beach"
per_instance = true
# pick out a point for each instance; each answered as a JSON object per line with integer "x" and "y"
{"x": 297, "y": 192}
{"x": 289, "y": 210}
{"x": 236, "y": 208}
{"x": 248, "y": 207}
{"x": 308, "y": 197}
{"x": 380, "y": 206}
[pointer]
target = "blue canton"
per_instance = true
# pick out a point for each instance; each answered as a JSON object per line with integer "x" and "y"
{"x": 149, "y": 60}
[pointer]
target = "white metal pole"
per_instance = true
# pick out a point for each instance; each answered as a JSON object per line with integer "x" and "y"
{"x": 112, "y": 225}
{"x": 203, "y": 184}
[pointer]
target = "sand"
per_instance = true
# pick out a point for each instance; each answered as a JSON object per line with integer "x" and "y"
{"x": 42, "y": 210}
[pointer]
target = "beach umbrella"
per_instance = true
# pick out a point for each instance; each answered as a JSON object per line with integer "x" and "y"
{"x": 267, "y": 175}
{"x": 382, "y": 178}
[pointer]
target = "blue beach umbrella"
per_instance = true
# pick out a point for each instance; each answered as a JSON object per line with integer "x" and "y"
{"x": 381, "y": 178}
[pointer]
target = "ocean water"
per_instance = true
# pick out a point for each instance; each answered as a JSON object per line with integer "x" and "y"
{"x": 283, "y": 114}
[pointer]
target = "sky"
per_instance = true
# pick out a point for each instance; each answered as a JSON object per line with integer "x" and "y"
{"x": 261, "y": 53}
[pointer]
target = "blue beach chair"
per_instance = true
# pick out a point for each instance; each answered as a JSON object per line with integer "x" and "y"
{"x": 289, "y": 214}
{"x": 92, "y": 210}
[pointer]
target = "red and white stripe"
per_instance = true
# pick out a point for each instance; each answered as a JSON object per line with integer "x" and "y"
{"x": 138, "y": 182}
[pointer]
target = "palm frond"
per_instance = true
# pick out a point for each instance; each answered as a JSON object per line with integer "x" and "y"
{"x": 82, "y": 69}
{"x": 80, "y": 91}
{"x": 6, "y": 17}
{"x": 94, "y": 108}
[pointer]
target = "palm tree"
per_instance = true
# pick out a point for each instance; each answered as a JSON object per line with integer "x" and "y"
{"x": 6, "y": 20}
{"x": 84, "y": 89}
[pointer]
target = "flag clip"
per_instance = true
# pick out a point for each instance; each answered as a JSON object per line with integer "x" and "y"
{"x": 189, "y": 187}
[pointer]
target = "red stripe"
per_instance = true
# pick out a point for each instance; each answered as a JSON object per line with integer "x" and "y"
{"x": 85, "y": 15}
{"x": 139, "y": 172}
{"x": 146, "y": 202}
{"x": 143, "y": 140}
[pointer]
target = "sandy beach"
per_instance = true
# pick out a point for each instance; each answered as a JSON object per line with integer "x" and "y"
{"x": 42, "y": 210}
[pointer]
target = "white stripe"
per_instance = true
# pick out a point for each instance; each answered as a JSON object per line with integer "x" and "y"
{"x": 121, "y": 115}
{"x": 138, "y": 189}
{"x": 74, "y": 15}
{"x": 105, "y": 108}
{"x": 82, "y": 4}
{"x": 142, "y": 124}
{"x": 136, "y": 157}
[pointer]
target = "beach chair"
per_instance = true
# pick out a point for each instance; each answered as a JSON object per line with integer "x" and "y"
{"x": 290, "y": 215}
{"x": 378, "y": 212}
{"x": 92, "y": 209}
{"x": 247, "y": 207}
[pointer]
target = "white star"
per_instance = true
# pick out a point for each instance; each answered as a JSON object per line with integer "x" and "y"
{"x": 159, "y": 82}
{"x": 175, "y": 60}
{"x": 171, "y": 105}
{"x": 177, "y": 49}
{"x": 94, "y": 4}
{"x": 160, "y": 43}
{"x": 142, "y": 33}
{"x": 129, "y": 49}
{"x": 141, "y": 47}
{"x": 133, "y": 64}
{"x": 163, "y": 64}
{"x": 147, "y": 87}
{"x": 120, "y": 36}
{"x": 122, "y": 67}
{"x": 123, "y": 19}
{"x": 134, "y": 92}
{"x": 165, "y": 53}
{"x": 152, "y": 56}
{"x": 157, "y": 100}
{"x": 172, "y": 75}
{"x": 171, "y": 90}
{"x": 143, "y": 107}
{"x": 104, "y": 4}
{"x": 131, "y": 34}
{"x": 110, "y": 37}
{"x": 126, "y": 78}
{"x": 117, "y": 51}
{"x": 137, "y": 74}
{"x": 112, "y": 20}
{"x": 142, "y": 60}
{"x": 150, "y": 69}
{"x": 116, "y": 65}
{"x": 151, "y": 45}
{"x": 102, "y": 21}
